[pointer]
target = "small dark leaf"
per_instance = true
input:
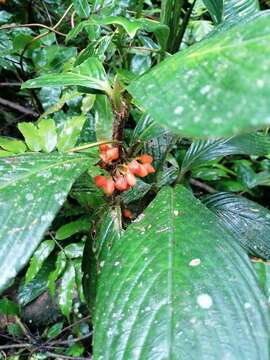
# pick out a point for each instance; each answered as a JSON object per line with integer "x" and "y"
{"x": 246, "y": 220}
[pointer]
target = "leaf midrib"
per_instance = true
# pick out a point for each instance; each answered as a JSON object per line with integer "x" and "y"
{"x": 30, "y": 173}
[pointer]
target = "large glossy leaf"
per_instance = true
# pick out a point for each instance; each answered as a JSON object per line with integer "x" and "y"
{"x": 177, "y": 286}
{"x": 32, "y": 189}
{"x": 235, "y": 10}
{"x": 89, "y": 74}
{"x": 215, "y": 8}
{"x": 246, "y": 220}
{"x": 109, "y": 231}
{"x": 201, "y": 151}
{"x": 217, "y": 87}
{"x": 263, "y": 272}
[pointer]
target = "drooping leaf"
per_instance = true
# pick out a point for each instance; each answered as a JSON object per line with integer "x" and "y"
{"x": 89, "y": 74}
{"x": 201, "y": 151}
{"x": 161, "y": 295}
{"x": 37, "y": 260}
{"x": 103, "y": 118}
{"x": 69, "y": 135}
{"x": 60, "y": 266}
{"x": 31, "y": 135}
{"x": 31, "y": 291}
{"x": 32, "y": 189}
{"x": 131, "y": 26}
{"x": 48, "y": 135}
{"x": 214, "y": 88}
{"x": 72, "y": 228}
{"x": 12, "y": 145}
{"x": 215, "y": 8}
{"x": 82, "y": 8}
{"x": 247, "y": 221}
{"x": 65, "y": 296}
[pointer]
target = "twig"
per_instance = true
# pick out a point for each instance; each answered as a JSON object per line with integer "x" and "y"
{"x": 72, "y": 19}
{"x": 87, "y": 146}
{"x": 69, "y": 327}
{"x": 203, "y": 186}
{"x": 67, "y": 342}
{"x": 42, "y": 35}
{"x": 23, "y": 328}
{"x": 15, "y": 346}
{"x": 18, "y": 107}
{"x": 14, "y": 26}
{"x": 58, "y": 356}
{"x": 10, "y": 84}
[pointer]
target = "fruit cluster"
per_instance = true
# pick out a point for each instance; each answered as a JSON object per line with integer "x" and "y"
{"x": 123, "y": 176}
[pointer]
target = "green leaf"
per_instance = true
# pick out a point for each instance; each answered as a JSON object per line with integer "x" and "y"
{"x": 89, "y": 74}
{"x": 65, "y": 296}
{"x": 41, "y": 136}
{"x": 137, "y": 192}
{"x": 214, "y": 88}
{"x": 82, "y": 8}
{"x": 162, "y": 294}
{"x": 247, "y": 221}
{"x": 109, "y": 232}
{"x": 103, "y": 118}
{"x": 201, "y": 151}
{"x": 32, "y": 190}
{"x": 72, "y": 228}
{"x": 235, "y": 10}
{"x": 31, "y": 291}
{"x": 263, "y": 273}
{"x": 8, "y": 307}
{"x": 12, "y": 145}
{"x": 147, "y": 129}
{"x": 37, "y": 260}
{"x": 215, "y": 8}
{"x": 131, "y": 26}
{"x": 55, "y": 330}
{"x": 61, "y": 262}
{"x": 31, "y": 135}
{"x": 74, "y": 250}
{"x": 69, "y": 135}
{"x": 48, "y": 135}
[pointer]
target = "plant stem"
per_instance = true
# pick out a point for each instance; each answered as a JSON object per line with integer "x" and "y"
{"x": 179, "y": 36}
{"x": 170, "y": 16}
{"x": 87, "y": 146}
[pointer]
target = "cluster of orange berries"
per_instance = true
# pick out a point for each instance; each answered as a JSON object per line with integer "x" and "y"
{"x": 123, "y": 176}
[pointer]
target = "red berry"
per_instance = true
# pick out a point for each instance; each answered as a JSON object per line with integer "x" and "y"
{"x": 121, "y": 183}
{"x": 128, "y": 214}
{"x": 142, "y": 172}
{"x": 131, "y": 179}
{"x": 112, "y": 154}
{"x": 146, "y": 159}
{"x": 149, "y": 168}
{"x": 134, "y": 166}
{"x": 100, "y": 181}
{"x": 103, "y": 147}
{"x": 109, "y": 186}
